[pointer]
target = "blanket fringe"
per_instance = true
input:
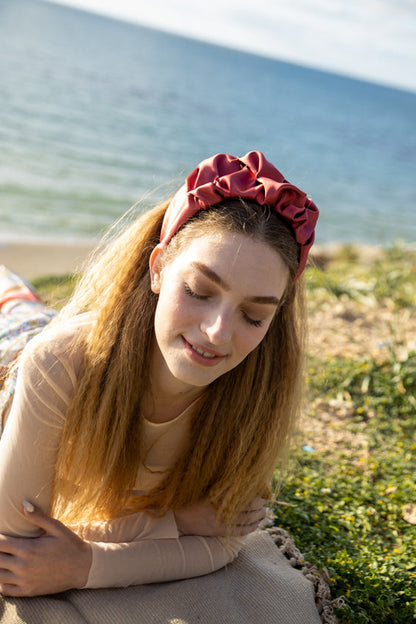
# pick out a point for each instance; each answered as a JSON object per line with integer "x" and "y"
{"x": 318, "y": 578}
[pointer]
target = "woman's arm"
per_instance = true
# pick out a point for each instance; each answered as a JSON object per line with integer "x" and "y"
{"x": 59, "y": 560}
{"x": 31, "y": 437}
{"x": 205, "y": 545}
{"x": 158, "y": 561}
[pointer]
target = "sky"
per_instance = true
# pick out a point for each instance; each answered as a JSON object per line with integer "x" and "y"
{"x": 369, "y": 39}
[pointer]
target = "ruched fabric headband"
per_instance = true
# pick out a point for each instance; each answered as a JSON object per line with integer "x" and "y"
{"x": 251, "y": 177}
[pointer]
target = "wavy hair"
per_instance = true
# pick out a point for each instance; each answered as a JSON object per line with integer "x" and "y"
{"x": 240, "y": 423}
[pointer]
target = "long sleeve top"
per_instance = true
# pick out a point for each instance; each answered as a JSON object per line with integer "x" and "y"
{"x": 129, "y": 550}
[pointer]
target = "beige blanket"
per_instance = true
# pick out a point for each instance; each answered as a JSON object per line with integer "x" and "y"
{"x": 260, "y": 587}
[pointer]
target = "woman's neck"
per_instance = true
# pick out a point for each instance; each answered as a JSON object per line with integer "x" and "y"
{"x": 157, "y": 411}
{"x": 167, "y": 397}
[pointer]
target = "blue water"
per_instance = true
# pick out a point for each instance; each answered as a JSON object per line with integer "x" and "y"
{"x": 96, "y": 114}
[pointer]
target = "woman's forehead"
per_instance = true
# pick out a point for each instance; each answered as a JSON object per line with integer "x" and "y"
{"x": 237, "y": 260}
{"x": 218, "y": 245}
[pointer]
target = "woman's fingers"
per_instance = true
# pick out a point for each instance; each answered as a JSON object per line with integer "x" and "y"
{"x": 256, "y": 504}
{"x": 44, "y": 522}
{"x": 201, "y": 519}
{"x": 6, "y": 576}
{"x": 254, "y": 514}
{"x": 8, "y": 589}
{"x": 8, "y": 544}
{"x": 55, "y": 561}
{"x": 240, "y": 530}
{"x": 248, "y": 520}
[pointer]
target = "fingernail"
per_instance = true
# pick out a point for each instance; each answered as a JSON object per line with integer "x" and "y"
{"x": 28, "y": 506}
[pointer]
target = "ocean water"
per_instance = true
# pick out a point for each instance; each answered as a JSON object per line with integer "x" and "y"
{"x": 97, "y": 114}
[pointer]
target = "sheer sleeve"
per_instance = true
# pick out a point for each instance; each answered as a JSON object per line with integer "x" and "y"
{"x": 30, "y": 440}
{"x": 159, "y": 560}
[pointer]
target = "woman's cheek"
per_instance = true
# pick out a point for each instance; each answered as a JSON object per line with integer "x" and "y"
{"x": 259, "y": 337}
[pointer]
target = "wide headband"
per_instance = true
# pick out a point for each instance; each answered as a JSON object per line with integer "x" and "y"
{"x": 251, "y": 177}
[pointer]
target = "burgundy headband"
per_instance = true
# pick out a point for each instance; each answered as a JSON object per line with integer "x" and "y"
{"x": 251, "y": 177}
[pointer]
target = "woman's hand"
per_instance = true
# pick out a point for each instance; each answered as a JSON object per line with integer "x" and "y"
{"x": 56, "y": 561}
{"x": 201, "y": 519}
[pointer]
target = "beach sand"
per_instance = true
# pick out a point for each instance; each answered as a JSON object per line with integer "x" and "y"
{"x": 32, "y": 259}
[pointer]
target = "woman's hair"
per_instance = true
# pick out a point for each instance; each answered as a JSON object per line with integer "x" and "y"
{"x": 240, "y": 423}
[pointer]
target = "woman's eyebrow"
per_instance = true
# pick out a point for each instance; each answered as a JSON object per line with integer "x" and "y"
{"x": 268, "y": 300}
{"x": 211, "y": 275}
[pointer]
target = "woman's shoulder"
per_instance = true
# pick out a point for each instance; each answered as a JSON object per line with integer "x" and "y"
{"x": 60, "y": 342}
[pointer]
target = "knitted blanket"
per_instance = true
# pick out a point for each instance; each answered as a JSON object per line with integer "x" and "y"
{"x": 263, "y": 585}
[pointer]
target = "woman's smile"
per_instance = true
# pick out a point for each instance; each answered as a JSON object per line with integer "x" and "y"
{"x": 202, "y": 355}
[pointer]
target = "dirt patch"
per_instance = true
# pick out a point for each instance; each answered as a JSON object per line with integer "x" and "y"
{"x": 351, "y": 329}
{"x": 325, "y": 428}
{"x": 343, "y": 327}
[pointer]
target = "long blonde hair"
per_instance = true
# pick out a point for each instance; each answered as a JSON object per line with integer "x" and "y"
{"x": 240, "y": 423}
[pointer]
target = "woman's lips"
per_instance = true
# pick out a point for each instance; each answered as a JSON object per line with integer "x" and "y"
{"x": 202, "y": 355}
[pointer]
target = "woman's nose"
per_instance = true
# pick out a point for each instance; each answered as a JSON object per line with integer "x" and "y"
{"x": 218, "y": 327}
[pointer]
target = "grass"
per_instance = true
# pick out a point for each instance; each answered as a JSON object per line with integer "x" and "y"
{"x": 54, "y": 290}
{"x": 345, "y": 501}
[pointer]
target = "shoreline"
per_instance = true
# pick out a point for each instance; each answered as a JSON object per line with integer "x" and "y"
{"x": 33, "y": 258}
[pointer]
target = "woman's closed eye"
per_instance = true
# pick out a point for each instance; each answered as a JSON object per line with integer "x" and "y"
{"x": 202, "y": 297}
{"x": 188, "y": 290}
{"x": 251, "y": 321}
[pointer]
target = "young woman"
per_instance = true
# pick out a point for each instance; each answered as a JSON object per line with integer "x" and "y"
{"x": 142, "y": 426}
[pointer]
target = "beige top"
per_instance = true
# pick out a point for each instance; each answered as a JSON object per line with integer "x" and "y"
{"x": 129, "y": 550}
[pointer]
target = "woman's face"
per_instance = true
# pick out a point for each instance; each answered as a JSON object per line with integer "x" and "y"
{"x": 217, "y": 299}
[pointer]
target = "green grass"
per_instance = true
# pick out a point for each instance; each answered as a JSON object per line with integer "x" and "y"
{"x": 346, "y": 501}
{"x": 54, "y": 290}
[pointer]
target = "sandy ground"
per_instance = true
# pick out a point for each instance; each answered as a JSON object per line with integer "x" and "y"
{"x": 34, "y": 259}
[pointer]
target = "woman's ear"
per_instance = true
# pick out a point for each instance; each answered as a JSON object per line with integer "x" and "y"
{"x": 155, "y": 268}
